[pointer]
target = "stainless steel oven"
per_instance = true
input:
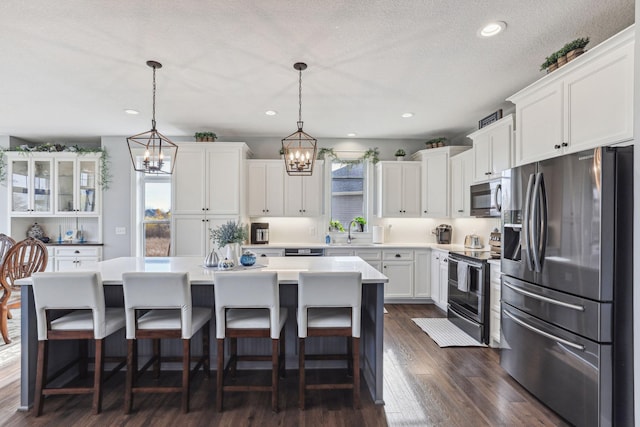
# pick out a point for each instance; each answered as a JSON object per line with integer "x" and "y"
{"x": 468, "y": 300}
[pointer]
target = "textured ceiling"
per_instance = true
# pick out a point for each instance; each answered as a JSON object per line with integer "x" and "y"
{"x": 69, "y": 68}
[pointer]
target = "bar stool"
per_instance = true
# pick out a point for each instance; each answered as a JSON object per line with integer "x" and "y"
{"x": 81, "y": 292}
{"x": 248, "y": 306}
{"x": 329, "y": 305}
{"x": 166, "y": 298}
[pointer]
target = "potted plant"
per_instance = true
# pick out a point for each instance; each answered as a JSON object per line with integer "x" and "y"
{"x": 576, "y": 48}
{"x": 550, "y": 63}
{"x": 361, "y": 222}
{"x": 199, "y": 136}
{"x": 436, "y": 142}
{"x": 211, "y": 136}
{"x": 229, "y": 236}
{"x": 335, "y": 225}
{"x": 400, "y": 153}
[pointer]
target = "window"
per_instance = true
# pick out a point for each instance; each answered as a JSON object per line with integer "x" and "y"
{"x": 156, "y": 219}
{"x": 348, "y": 184}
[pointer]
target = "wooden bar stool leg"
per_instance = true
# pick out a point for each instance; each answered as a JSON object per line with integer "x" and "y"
{"x": 275, "y": 377}
{"x": 282, "y": 359}
{"x": 97, "y": 376}
{"x": 131, "y": 372}
{"x": 356, "y": 373}
{"x": 83, "y": 366}
{"x": 220, "y": 374}
{"x": 301, "y": 384}
{"x": 349, "y": 356}
{"x": 156, "y": 355}
{"x": 234, "y": 356}
{"x": 186, "y": 372}
{"x": 206, "y": 335}
{"x": 4, "y": 327}
{"x": 41, "y": 375}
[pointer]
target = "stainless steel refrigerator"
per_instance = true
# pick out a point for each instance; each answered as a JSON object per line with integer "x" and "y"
{"x": 567, "y": 283}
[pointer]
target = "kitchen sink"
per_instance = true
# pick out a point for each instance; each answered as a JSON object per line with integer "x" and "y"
{"x": 344, "y": 244}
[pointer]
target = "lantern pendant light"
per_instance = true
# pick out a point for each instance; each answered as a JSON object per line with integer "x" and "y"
{"x": 299, "y": 148}
{"x": 155, "y": 148}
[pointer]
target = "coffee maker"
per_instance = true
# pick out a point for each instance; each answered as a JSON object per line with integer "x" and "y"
{"x": 259, "y": 233}
{"x": 443, "y": 234}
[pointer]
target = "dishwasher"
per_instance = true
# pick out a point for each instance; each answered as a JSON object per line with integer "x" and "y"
{"x": 304, "y": 252}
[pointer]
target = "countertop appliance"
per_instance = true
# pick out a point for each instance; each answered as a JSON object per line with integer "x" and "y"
{"x": 495, "y": 243}
{"x": 443, "y": 234}
{"x": 468, "y": 286}
{"x": 486, "y": 199}
{"x": 259, "y": 233}
{"x": 303, "y": 252}
{"x": 567, "y": 283}
{"x": 472, "y": 241}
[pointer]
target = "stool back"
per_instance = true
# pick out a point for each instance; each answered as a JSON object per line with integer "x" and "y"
{"x": 6, "y": 243}
{"x": 329, "y": 289}
{"x": 247, "y": 290}
{"x": 72, "y": 291}
{"x": 150, "y": 290}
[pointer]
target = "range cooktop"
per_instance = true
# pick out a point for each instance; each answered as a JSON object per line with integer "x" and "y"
{"x": 476, "y": 255}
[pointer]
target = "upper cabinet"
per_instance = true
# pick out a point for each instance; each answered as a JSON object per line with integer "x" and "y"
{"x": 265, "y": 188}
{"x": 303, "y": 195}
{"x": 30, "y": 184}
{"x": 398, "y": 189}
{"x": 435, "y": 181}
{"x": 492, "y": 149}
{"x": 76, "y": 184}
{"x": 585, "y": 104}
{"x": 461, "y": 179}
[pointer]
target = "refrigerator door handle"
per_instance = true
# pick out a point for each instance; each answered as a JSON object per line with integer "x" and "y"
{"x": 542, "y": 239}
{"x": 543, "y": 333}
{"x": 537, "y": 223}
{"x": 526, "y": 226}
{"x": 543, "y": 298}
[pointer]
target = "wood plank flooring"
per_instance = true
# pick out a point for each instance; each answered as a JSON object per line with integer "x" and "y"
{"x": 424, "y": 385}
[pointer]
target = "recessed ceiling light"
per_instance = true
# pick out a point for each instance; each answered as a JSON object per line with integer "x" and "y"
{"x": 129, "y": 111}
{"x": 271, "y": 113}
{"x": 407, "y": 115}
{"x": 352, "y": 134}
{"x": 492, "y": 29}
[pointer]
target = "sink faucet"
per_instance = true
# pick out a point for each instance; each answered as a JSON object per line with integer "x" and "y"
{"x": 349, "y": 238}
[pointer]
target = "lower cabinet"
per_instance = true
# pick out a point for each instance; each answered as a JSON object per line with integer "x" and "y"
{"x": 75, "y": 258}
{"x": 439, "y": 278}
{"x": 494, "y": 311}
{"x": 422, "y": 274}
{"x": 266, "y": 252}
{"x": 397, "y": 265}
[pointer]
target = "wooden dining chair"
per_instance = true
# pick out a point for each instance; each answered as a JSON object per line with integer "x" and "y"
{"x": 23, "y": 259}
{"x": 329, "y": 305}
{"x": 6, "y": 243}
{"x": 247, "y": 305}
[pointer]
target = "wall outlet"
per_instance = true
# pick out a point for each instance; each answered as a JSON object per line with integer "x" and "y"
{"x": 121, "y": 230}
{"x": 312, "y": 231}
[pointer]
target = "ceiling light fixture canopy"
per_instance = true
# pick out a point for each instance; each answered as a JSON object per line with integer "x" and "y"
{"x": 299, "y": 148}
{"x": 152, "y": 146}
{"x": 492, "y": 29}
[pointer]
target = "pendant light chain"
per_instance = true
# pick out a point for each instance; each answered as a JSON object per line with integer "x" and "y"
{"x": 300, "y": 98}
{"x": 153, "y": 113}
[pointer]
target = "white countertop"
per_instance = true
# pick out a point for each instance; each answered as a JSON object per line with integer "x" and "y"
{"x": 361, "y": 245}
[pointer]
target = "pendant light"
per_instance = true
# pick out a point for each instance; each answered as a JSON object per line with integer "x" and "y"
{"x": 154, "y": 147}
{"x": 299, "y": 147}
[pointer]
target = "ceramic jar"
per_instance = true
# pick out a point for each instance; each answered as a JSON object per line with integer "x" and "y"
{"x": 248, "y": 258}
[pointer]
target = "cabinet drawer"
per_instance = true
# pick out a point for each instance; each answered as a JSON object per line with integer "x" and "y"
{"x": 369, "y": 255}
{"x": 77, "y": 251}
{"x": 396, "y": 255}
{"x": 268, "y": 252}
{"x": 338, "y": 252}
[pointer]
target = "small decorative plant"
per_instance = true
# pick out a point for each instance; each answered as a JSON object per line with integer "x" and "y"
{"x": 569, "y": 51}
{"x": 361, "y": 222}
{"x": 436, "y": 142}
{"x": 400, "y": 153}
{"x": 335, "y": 225}
{"x": 230, "y": 232}
{"x": 205, "y": 136}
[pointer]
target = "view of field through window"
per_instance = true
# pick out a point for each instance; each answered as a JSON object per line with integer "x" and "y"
{"x": 157, "y": 216}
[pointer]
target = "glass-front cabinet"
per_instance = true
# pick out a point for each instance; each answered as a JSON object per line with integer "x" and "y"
{"x": 76, "y": 185}
{"x": 31, "y": 185}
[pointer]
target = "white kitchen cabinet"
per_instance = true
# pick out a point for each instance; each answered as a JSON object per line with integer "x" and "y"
{"x": 303, "y": 194}
{"x": 265, "y": 188}
{"x": 494, "y": 312}
{"x": 191, "y": 236}
{"x": 422, "y": 274}
{"x": 461, "y": 179}
{"x": 265, "y": 252}
{"x": 398, "y": 189}
{"x": 435, "y": 181}
{"x": 76, "y": 257}
{"x": 76, "y": 184}
{"x": 439, "y": 278}
{"x": 492, "y": 149}
{"x": 585, "y": 104}
{"x": 397, "y": 265}
{"x": 372, "y": 256}
{"x": 30, "y": 181}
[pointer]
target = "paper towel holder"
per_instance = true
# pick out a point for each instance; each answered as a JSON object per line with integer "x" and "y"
{"x": 377, "y": 234}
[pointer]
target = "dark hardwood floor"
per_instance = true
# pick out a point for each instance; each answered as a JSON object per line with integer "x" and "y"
{"x": 424, "y": 385}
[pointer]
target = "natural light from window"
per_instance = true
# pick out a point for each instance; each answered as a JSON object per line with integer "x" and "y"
{"x": 348, "y": 182}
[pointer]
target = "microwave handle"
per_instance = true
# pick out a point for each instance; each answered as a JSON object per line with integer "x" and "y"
{"x": 498, "y": 200}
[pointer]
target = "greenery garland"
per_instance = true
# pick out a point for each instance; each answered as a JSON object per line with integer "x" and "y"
{"x": 371, "y": 154}
{"x": 105, "y": 175}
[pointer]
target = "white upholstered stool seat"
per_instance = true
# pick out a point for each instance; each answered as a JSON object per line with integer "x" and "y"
{"x": 248, "y": 306}
{"x": 159, "y": 306}
{"x": 83, "y": 293}
{"x": 329, "y": 304}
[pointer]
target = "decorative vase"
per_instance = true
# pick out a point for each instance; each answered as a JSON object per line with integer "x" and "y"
{"x": 226, "y": 264}
{"x": 35, "y": 231}
{"x": 552, "y": 67}
{"x": 399, "y": 158}
{"x": 232, "y": 252}
{"x": 212, "y": 259}
{"x": 574, "y": 54}
{"x": 562, "y": 60}
{"x": 248, "y": 258}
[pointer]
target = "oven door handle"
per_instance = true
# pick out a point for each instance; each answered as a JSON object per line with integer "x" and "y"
{"x": 543, "y": 333}
{"x": 545, "y": 299}
{"x": 453, "y": 311}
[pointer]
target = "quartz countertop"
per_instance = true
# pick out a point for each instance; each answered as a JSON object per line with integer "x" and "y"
{"x": 360, "y": 245}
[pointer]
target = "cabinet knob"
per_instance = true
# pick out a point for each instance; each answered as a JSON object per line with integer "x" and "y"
{"x": 564, "y": 144}
{"x": 425, "y": 212}
{"x": 304, "y": 210}
{"x": 487, "y": 173}
{"x": 263, "y": 255}
{"x": 203, "y": 220}
{"x": 460, "y": 210}
{"x": 76, "y": 252}
{"x": 202, "y": 209}
{"x": 267, "y": 210}
{"x": 446, "y": 260}
{"x": 384, "y": 266}
{"x": 557, "y": 146}
{"x": 398, "y": 256}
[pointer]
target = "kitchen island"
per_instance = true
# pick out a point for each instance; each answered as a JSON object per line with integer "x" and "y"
{"x": 202, "y": 282}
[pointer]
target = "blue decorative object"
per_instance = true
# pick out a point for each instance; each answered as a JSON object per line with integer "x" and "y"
{"x": 248, "y": 258}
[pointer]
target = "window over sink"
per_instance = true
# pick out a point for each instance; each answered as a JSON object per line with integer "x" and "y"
{"x": 348, "y": 191}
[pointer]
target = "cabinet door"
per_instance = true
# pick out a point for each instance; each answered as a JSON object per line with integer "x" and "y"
{"x": 390, "y": 197}
{"x": 31, "y": 186}
{"x": 224, "y": 168}
{"x": 539, "y": 125}
{"x": 312, "y": 192}
{"x": 422, "y": 274}
{"x": 65, "y": 264}
{"x": 481, "y": 157}
{"x": 189, "y": 182}
{"x": 274, "y": 179}
{"x": 599, "y": 100}
{"x": 444, "y": 282}
{"x": 257, "y": 189}
{"x": 65, "y": 201}
{"x": 435, "y": 276}
{"x": 461, "y": 178}
{"x": 293, "y": 195}
{"x": 400, "y": 274}
{"x": 501, "y": 143}
{"x": 88, "y": 193}
{"x": 435, "y": 203}
{"x": 411, "y": 177}
{"x": 20, "y": 191}
{"x": 190, "y": 235}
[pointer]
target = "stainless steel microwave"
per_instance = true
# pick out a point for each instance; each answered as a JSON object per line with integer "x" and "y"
{"x": 486, "y": 199}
